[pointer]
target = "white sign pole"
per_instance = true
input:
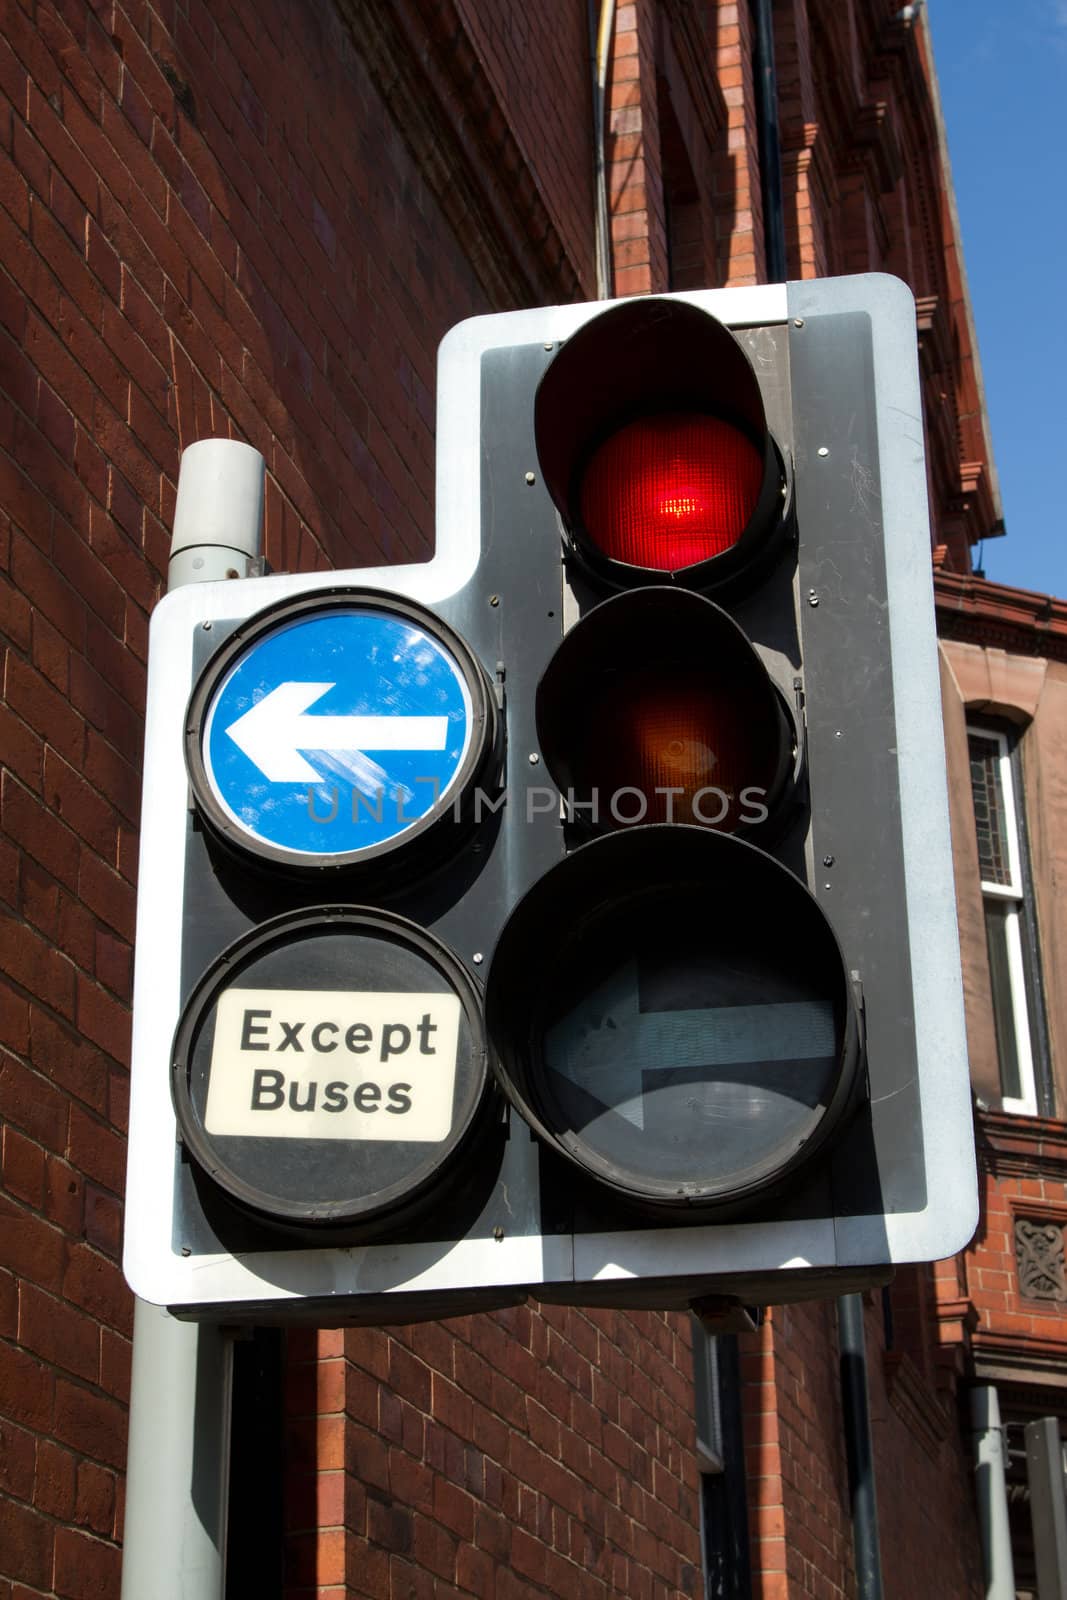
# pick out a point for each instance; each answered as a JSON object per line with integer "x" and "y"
{"x": 177, "y": 1464}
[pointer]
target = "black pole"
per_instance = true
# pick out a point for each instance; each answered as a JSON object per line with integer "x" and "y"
{"x": 770, "y": 145}
{"x": 857, "y": 1421}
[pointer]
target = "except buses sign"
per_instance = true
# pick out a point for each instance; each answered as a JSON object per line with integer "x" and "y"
{"x": 329, "y": 1065}
{"x": 323, "y": 1064}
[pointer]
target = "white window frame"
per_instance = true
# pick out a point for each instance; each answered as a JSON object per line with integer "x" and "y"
{"x": 709, "y": 1451}
{"x": 708, "y": 1404}
{"x": 1011, "y": 895}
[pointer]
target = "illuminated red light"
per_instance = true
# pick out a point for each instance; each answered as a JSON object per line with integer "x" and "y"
{"x": 670, "y": 490}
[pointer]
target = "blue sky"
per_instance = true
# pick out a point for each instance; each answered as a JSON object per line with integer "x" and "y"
{"x": 1002, "y": 69}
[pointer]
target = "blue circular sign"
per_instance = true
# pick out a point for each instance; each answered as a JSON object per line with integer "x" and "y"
{"x": 337, "y": 731}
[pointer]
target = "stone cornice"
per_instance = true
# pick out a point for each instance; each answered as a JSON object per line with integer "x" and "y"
{"x": 895, "y": 34}
{"x": 973, "y": 498}
{"x": 979, "y": 612}
{"x": 427, "y": 71}
{"x": 873, "y": 145}
{"x": 895, "y": 58}
{"x": 1032, "y": 1147}
{"x": 935, "y": 334}
{"x": 805, "y": 149}
{"x": 1020, "y": 1358}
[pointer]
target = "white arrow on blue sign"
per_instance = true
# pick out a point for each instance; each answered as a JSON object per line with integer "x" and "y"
{"x": 337, "y": 732}
{"x": 274, "y": 731}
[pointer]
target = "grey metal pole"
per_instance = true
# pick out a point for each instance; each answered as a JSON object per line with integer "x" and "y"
{"x": 177, "y": 1462}
{"x": 174, "y": 1547}
{"x": 992, "y": 1493}
{"x": 1048, "y": 1513}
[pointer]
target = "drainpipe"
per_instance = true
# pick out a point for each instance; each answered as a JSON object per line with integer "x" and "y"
{"x": 601, "y": 30}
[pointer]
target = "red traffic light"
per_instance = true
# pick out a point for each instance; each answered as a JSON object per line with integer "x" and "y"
{"x": 669, "y": 491}
{"x": 654, "y": 445}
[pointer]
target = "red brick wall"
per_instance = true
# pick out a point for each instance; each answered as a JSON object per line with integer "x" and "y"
{"x": 537, "y": 60}
{"x": 926, "y": 1505}
{"x": 257, "y": 220}
{"x": 633, "y": 157}
{"x": 186, "y": 251}
{"x": 528, "y": 1452}
{"x": 1022, "y": 1169}
{"x": 738, "y": 221}
{"x": 798, "y": 1487}
{"x": 800, "y": 1511}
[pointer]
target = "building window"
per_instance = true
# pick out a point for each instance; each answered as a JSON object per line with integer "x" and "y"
{"x": 1014, "y": 972}
{"x": 683, "y": 213}
{"x": 721, "y": 1463}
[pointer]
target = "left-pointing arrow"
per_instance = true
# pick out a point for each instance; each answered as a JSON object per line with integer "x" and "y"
{"x": 608, "y": 1046}
{"x": 274, "y": 731}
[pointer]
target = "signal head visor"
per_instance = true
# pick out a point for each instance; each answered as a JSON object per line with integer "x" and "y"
{"x": 653, "y": 443}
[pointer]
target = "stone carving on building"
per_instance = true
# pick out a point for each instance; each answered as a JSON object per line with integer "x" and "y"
{"x": 1039, "y": 1259}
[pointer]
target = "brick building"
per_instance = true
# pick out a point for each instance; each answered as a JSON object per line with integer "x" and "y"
{"x": 1001, "y": 1304}
{"x": 257, "y": 221}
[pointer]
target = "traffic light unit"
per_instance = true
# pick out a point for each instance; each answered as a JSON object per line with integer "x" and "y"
{"x": 571, "y": 914}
